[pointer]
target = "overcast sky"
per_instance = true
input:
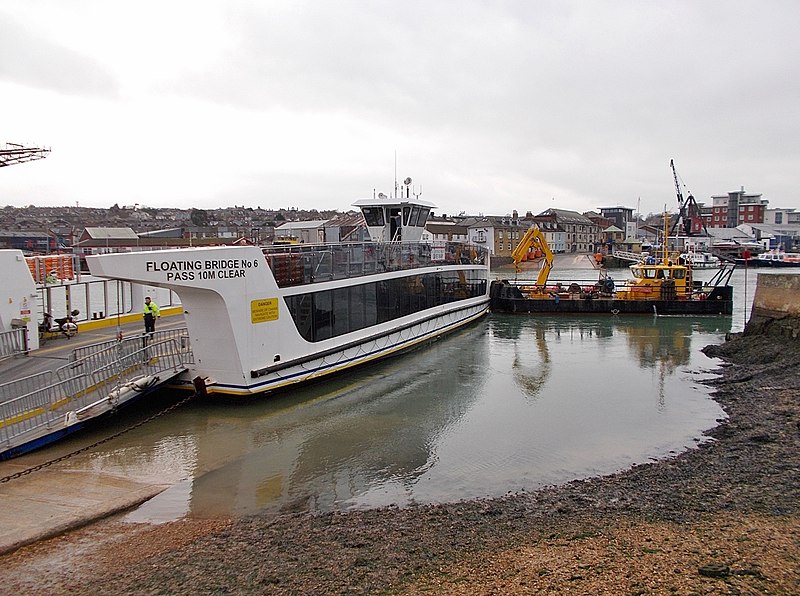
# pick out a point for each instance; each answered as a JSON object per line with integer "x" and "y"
{"x": 489, "y": 106}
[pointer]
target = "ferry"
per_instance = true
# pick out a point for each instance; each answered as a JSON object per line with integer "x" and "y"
{"x": 264, "y": 318}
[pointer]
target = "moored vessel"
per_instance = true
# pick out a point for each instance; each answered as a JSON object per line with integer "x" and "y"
{"x": 262, "y": 318}
{"x": 664, "y": 287}
{"x": 776, "y": 258}
{"x": 699, "y": 260}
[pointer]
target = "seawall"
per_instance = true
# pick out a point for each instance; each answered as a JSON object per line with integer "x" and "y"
{"x": 776, "y": 306}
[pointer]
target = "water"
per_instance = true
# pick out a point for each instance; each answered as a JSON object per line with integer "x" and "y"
{"x": 511, "y": 403}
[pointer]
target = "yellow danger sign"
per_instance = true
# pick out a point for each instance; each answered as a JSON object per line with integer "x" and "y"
{"x": 263, "y": 310}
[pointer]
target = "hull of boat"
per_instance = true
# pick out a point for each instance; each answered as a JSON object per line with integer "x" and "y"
{"x": 508, "y": 299}
{"x": 771, "y": 263}
{"x": 315, "y": 365}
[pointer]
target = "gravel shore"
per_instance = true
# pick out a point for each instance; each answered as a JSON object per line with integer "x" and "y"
{"x": 719, "y": 519}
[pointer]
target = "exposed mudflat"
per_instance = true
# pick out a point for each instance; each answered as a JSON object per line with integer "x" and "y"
{"x": 719, "y": 519}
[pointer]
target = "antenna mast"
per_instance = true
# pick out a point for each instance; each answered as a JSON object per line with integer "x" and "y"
{"x": 13, "y": 153}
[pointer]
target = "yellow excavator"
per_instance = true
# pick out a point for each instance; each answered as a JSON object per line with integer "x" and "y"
{"x": 534, "y": 238}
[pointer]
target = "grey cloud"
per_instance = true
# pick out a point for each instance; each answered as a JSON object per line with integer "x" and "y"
{"x": 37, "y": 62}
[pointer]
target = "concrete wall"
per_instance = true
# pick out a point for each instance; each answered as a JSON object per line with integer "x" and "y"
{"x": 776, "y": 306}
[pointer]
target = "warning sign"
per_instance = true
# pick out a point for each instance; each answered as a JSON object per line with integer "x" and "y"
{"x": 264, "y": 310}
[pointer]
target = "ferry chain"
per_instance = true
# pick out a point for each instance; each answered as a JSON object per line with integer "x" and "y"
{"x": 100, "y": 442}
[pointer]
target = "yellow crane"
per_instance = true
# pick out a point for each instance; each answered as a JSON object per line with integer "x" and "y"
{"x": 534, "y": 238}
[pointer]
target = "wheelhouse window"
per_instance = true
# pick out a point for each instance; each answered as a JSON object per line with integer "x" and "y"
{"x": 414, "y": 216}
{"x": 423, "y": 216}
{"x": 373, "y": 216}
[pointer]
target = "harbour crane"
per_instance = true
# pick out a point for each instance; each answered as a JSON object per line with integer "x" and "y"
{"x": 690, "y": 219}
{"x": 13, "y": 153}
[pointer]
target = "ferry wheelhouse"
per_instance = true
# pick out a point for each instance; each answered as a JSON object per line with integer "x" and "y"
{"x": 262, "y": 318}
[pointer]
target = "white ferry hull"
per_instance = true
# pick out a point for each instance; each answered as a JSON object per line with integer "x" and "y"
{"x": 316, "y": 365}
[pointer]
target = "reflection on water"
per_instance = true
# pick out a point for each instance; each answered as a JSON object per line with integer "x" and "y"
{"x": 456, "y": 420}
{"x": 511, "y": 403}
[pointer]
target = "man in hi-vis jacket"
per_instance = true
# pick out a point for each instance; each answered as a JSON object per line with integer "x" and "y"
{"x": 151, "y": 313}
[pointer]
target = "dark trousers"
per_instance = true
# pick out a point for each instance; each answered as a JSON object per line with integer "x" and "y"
{"x": 149, "y": 323}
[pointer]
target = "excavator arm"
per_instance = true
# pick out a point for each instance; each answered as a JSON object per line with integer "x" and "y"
{"x": 534, "y": 238}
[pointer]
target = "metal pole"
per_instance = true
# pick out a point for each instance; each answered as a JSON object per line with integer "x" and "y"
{"x": 745, "y": 292}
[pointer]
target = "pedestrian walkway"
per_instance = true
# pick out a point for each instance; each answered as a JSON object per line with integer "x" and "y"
{"x": 54, "y": 353}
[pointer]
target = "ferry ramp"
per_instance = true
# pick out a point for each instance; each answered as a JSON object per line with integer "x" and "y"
{"x": 54, "y": 499}
{"x": 57, "y": 392}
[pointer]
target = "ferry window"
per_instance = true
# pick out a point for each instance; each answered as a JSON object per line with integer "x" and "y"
{"x": 341, "y": 311}
{"x": 357, "y": 306}
{"x": 323, "y": 315}
{"x": 301, "y": 311}
{"x": 406, "y": 213}
{"x": 370, "y": 305}
{"x": 414, "y": 216}
{"x": 384, "y": 301}
{"x": 423, "y": 216}
{"x": 373, "y": 216}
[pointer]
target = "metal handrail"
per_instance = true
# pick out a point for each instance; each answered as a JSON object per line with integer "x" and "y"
{"x": 12, "y": 342}
{"x": 303, "y": 264}
{"x": 18, "y": 387}
{"x": 75, "y": 388}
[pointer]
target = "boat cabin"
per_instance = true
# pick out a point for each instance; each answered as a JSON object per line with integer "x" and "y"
{"x": 652, "y": 279}
{"x": 395, "y": 219}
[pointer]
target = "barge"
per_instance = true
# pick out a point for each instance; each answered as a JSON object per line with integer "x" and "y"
{"x": 661, "y": 287}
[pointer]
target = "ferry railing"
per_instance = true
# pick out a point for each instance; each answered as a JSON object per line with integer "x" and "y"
{"x": 25, "y": 385}
{"x": 93, "y": 299}
{"x": 99, "y": 353}
{"x": 45, "y": 408}
{"x": 608, "y": 287}
{"x": 13, "y": 342}
{"x": 303, "y": 264}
